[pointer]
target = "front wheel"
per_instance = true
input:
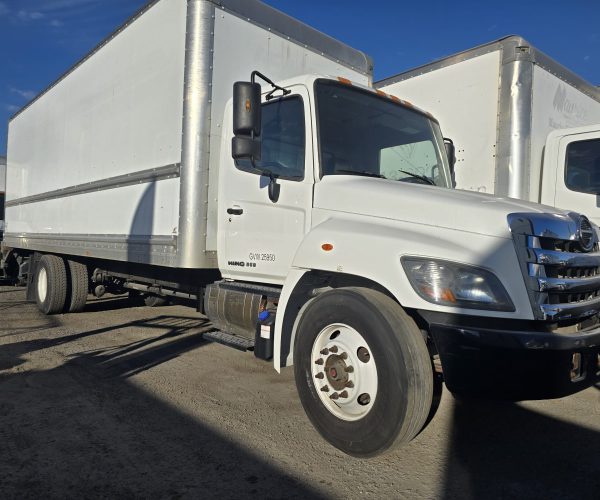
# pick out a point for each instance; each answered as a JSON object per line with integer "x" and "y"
{"x": 363, "y": 371}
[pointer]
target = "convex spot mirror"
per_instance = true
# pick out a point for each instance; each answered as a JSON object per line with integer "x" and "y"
{"x": 246, "y": 143}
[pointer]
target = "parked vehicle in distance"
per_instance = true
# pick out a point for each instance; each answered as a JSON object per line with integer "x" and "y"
{"x": 523, "y": 125}
{"x": 310, "y": 218}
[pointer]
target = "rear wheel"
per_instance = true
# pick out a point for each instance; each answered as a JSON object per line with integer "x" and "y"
{"x": 50, "y": 283}
{"x": 78, "y": 286}
{"x": 363, "y": 371}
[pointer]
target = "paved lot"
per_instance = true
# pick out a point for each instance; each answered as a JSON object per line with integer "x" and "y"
{"x": 126, "y": 401}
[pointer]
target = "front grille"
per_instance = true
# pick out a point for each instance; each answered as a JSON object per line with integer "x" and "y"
{"x": 560, "y": 260}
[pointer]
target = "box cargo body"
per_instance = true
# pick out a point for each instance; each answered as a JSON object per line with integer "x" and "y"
{"x": 498, "y": 103}
{"x": 119, "y": 158}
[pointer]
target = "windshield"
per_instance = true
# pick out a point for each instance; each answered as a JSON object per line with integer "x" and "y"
{"x": 364, "y": 134}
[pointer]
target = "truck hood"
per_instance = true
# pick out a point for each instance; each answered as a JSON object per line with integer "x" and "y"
{"x": 422, "y": 204}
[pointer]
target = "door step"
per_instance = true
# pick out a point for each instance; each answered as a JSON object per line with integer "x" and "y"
{"x": 235, "y": 341}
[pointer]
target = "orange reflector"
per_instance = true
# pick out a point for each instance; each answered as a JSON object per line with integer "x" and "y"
{"x": 381, "y": 93}
{"x": 409, "y": 104}
{"x": 247, "y": 104}
{"x": 328, "y": 247}
{"x": 341, "y": 79}
{"x": 394, "y": 98}
{"x": 447, "y": 295}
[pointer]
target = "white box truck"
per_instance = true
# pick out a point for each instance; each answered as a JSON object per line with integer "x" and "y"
{"x": 309, "y": 217}
{"x": 523, "y": 125}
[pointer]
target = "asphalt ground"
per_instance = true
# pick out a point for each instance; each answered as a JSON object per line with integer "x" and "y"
{"x": 122, "y": 402}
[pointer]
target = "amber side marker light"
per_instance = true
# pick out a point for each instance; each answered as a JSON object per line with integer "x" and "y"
{"x": 341, "y": 79}
{"x": 327, "y": 247}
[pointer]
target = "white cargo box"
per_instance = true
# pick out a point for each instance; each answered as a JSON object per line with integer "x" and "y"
{"x": 118, "y": 159}
{"x": 498, "y": 102}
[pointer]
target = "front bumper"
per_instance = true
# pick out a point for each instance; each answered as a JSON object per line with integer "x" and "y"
{"x": 507, "y": 361}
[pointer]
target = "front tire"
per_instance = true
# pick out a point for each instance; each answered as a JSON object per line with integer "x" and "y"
{"x": 50, "y": 283}
{"x": 363, "y": 371}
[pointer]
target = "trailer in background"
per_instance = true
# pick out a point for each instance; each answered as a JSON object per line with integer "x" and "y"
{"x": 516, "y": 117}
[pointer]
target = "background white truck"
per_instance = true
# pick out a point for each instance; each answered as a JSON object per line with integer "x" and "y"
{"x": 310, "y": 218}
{"x": 523, "y": 125}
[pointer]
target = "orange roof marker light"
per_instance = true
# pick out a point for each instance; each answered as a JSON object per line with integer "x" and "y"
{"x": 381, "y": 93}
{"x": 341, "y": 79}
{"x": 327, "y": 247}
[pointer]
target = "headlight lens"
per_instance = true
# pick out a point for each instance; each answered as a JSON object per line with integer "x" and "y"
{"x": 457, "y": 285}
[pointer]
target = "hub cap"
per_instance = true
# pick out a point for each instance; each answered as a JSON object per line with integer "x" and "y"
{"x": 42, "y": 284}
{"x": 344, "y": 372}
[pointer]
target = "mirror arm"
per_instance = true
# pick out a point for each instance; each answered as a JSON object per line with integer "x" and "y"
{"x": 276, "y": 87}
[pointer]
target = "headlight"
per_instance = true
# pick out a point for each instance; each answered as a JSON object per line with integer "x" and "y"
{"x": 453, "y": 284}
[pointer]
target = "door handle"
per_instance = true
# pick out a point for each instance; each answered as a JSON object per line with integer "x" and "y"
{"x": 235, "y": 211}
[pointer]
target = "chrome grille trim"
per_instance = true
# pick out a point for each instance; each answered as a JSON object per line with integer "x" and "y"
{"x": 560, "y": 262}
{"x": 566, "y": 259}
{"x": 573, "y": 285}
{"x": 574, "y": 310}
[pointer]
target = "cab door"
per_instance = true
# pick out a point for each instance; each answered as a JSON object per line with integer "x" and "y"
{"x": 258, "y": 236}
{"x": 578, "y": 174}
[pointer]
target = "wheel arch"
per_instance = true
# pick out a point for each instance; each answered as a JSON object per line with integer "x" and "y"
{"x": 302, "y": 287}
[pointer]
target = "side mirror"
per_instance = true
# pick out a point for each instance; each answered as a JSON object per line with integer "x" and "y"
{"x": 450, "y": 152}
{"x": 246, "y": 142}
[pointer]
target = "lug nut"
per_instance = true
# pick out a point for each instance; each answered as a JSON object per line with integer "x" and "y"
{"x": 333, "y": 349}
{"x": 319, "y": 361}
{"x": 334, "y": 396}
{"x": 344, "y": 355}
{"x": 343, "y": 394}
{"x": 349, "y": 384}
{"x": 349, "y": 369}
{"x": 325, "y": 388}
{"x": 319, "y": 375}
{"x": 325, "y": 352}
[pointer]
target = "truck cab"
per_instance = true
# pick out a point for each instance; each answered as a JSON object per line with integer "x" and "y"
{"x": 571, "y": 170}
{"x": 323, "y": 144}
{"x": 342, "y": 196}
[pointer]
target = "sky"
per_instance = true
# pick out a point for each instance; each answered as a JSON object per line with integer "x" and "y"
{"x": 40, "y": 39}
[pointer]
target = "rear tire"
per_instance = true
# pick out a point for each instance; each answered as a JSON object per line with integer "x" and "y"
{"x": 384, "y": 399}
{"x": 50, "y": 283}
{"x": 156, "y": 300}
{"x": 78, "y": 286}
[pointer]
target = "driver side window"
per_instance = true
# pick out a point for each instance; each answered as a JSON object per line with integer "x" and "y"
{"x": 283, "y": 140}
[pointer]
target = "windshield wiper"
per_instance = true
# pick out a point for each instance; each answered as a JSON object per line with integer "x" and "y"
{"x": 417, "y": 176}
{"x": 364, "y": 173}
